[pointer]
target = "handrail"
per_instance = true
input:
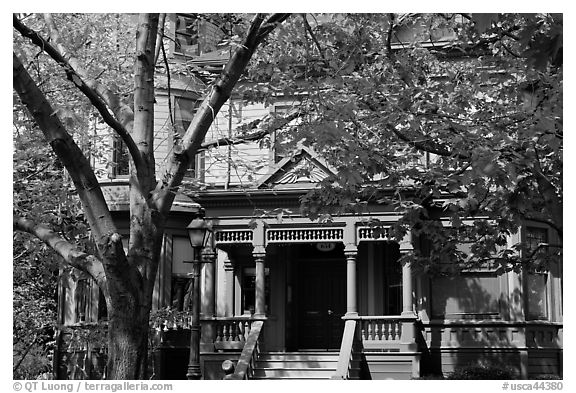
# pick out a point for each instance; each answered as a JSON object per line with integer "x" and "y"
{"x": 345, "y": 356}
{"x": 249, "y": 353}
{"x": 384, "y": 318}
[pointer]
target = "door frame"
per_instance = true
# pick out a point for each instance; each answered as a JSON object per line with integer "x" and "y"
{"x": 294, "y": 312}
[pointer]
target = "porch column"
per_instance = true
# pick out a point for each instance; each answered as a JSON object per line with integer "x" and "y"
{"x": 208, "y": 292}
{"x": 407, "y": 304}
{"x": 408, "y": 337}
{"x": 208, "y": 301}
{"x": 407, "y": 301}
{"x": 351, "y": 304}
{"x": 229, "y": 280}
{"x": 259, "y": 254}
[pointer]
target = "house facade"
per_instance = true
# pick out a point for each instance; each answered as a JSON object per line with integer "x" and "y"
{"x": 284, "y": 296}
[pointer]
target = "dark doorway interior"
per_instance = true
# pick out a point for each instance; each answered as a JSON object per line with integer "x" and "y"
{"x": 319, "y": 282}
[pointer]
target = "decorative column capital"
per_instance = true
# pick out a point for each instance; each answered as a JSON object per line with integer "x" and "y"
{"x": 259, "y": 252}
{"x": 228, "y": 265}
{"x": 406, "y": 243}
{"x": 350, "y": 251}
{"x": 208, "y": 255}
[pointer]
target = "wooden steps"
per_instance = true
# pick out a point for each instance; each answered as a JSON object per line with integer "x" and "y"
{"x": 299, "y": 365}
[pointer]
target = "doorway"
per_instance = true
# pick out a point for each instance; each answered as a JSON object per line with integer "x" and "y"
{"x": 319, "y": 282}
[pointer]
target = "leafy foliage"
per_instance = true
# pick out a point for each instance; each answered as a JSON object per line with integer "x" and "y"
{"x": 482, "y": 371}
{"x": 452, "y": 116}
{"x": 42, "y": 191}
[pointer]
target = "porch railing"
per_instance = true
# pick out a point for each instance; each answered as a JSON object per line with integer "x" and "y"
{"x": 245, "y": 367}
{"x": 231, "y": 333}
{"x": 346, "y": 351}
{"x": 221, "y": 333}
{"x": 386, "y": 332}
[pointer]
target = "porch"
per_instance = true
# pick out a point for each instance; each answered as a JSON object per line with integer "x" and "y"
{"x": 371, "y": 347}
{"x": 375, "y": 347}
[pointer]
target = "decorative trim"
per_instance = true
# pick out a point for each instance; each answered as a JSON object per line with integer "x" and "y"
{"x": 304, "y": 171}
{"x": 234, "y": 236}
{"x": 307, "y": 235}
{"x": 368, "y": 233}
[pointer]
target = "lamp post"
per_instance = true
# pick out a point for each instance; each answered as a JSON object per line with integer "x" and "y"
{"x": 198, "y": 233}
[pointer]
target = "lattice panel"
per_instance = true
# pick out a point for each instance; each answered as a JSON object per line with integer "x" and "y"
{"x": 373, "y": 233}
{"x": 304, "y": 235}
{"x": 234, "y": 236}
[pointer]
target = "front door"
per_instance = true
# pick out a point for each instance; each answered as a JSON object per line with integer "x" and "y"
{"x": 321, "y": 300}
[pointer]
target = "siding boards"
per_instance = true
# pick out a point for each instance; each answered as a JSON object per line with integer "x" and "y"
{"x": 391, "y": 366}
{"x": 544, "y": 362}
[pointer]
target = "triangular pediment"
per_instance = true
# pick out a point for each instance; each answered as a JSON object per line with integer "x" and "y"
{"x": 302, "y": 169}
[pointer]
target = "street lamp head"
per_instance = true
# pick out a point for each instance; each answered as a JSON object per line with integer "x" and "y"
{"x": 198, "y": 232}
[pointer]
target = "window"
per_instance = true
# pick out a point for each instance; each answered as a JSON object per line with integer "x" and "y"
{"x": 187, "y": 35}
{"x": 102, "y": 308}
{"x": 180, "y": 294}
{"x": 536, "y": 280}
{"x": 536, "y": 236}
{"x": 249, "y": 290}
{"x": 184, "y": 110}
{"x": 120, "y": 165}
{"x": 82, "y": 300}
{"x": 537, "y": 296}
{"x": 466, "y": 296}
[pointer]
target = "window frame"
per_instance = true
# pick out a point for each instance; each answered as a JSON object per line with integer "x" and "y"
{"x": 547, "y": 295}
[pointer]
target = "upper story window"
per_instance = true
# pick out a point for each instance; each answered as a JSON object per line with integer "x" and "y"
{"x": 184, "y": 110}
{"x": 186, "y": 36}
{"x": 120, "y": 160}
{"x": 536, "y": 236}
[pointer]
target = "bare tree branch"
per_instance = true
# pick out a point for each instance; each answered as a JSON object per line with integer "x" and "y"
{"x": 423, "y": 145}
{"x": 270, "y": 24}
{"x": 263, "y": 127}
{"x": 312, "y": 36}
{"x": 159, "y": 37}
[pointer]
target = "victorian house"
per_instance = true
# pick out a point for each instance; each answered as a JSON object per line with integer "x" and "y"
{"x": 283, "y": 296}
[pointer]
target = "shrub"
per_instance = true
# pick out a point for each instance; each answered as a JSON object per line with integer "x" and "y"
{"x": 482, "y": 371}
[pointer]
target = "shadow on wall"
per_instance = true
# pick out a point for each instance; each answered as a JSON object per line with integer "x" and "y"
{"x": 471, "y": 325}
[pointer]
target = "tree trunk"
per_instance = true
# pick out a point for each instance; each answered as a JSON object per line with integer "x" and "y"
{"x": 128, "y": 343}
{"x": 128, "y": 282}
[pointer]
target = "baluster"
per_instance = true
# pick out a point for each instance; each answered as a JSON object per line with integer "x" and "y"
{"x": 371, "y": 330}
{"x": 218, "y": 332}
{"x": 398, "y": 330}
{"x": 396, "y": 326}
{"x": 378, "y": 331}
{"x": 225, "y": 335}
{"x": 363, "y": 330}
{"x": 230, "y": 331}
{"x": 236, "y": 336}
{"x": 386, "y": 328}
{"x": 242, "y": 332}
{"x": 246, "y": 329}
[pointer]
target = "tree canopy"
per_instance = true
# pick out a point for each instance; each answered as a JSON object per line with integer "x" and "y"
{"x": 456, "y": 115}
{"x": 434, "y": 114}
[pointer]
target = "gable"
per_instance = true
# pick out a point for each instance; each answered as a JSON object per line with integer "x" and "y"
{"x": 303, "y": 169}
